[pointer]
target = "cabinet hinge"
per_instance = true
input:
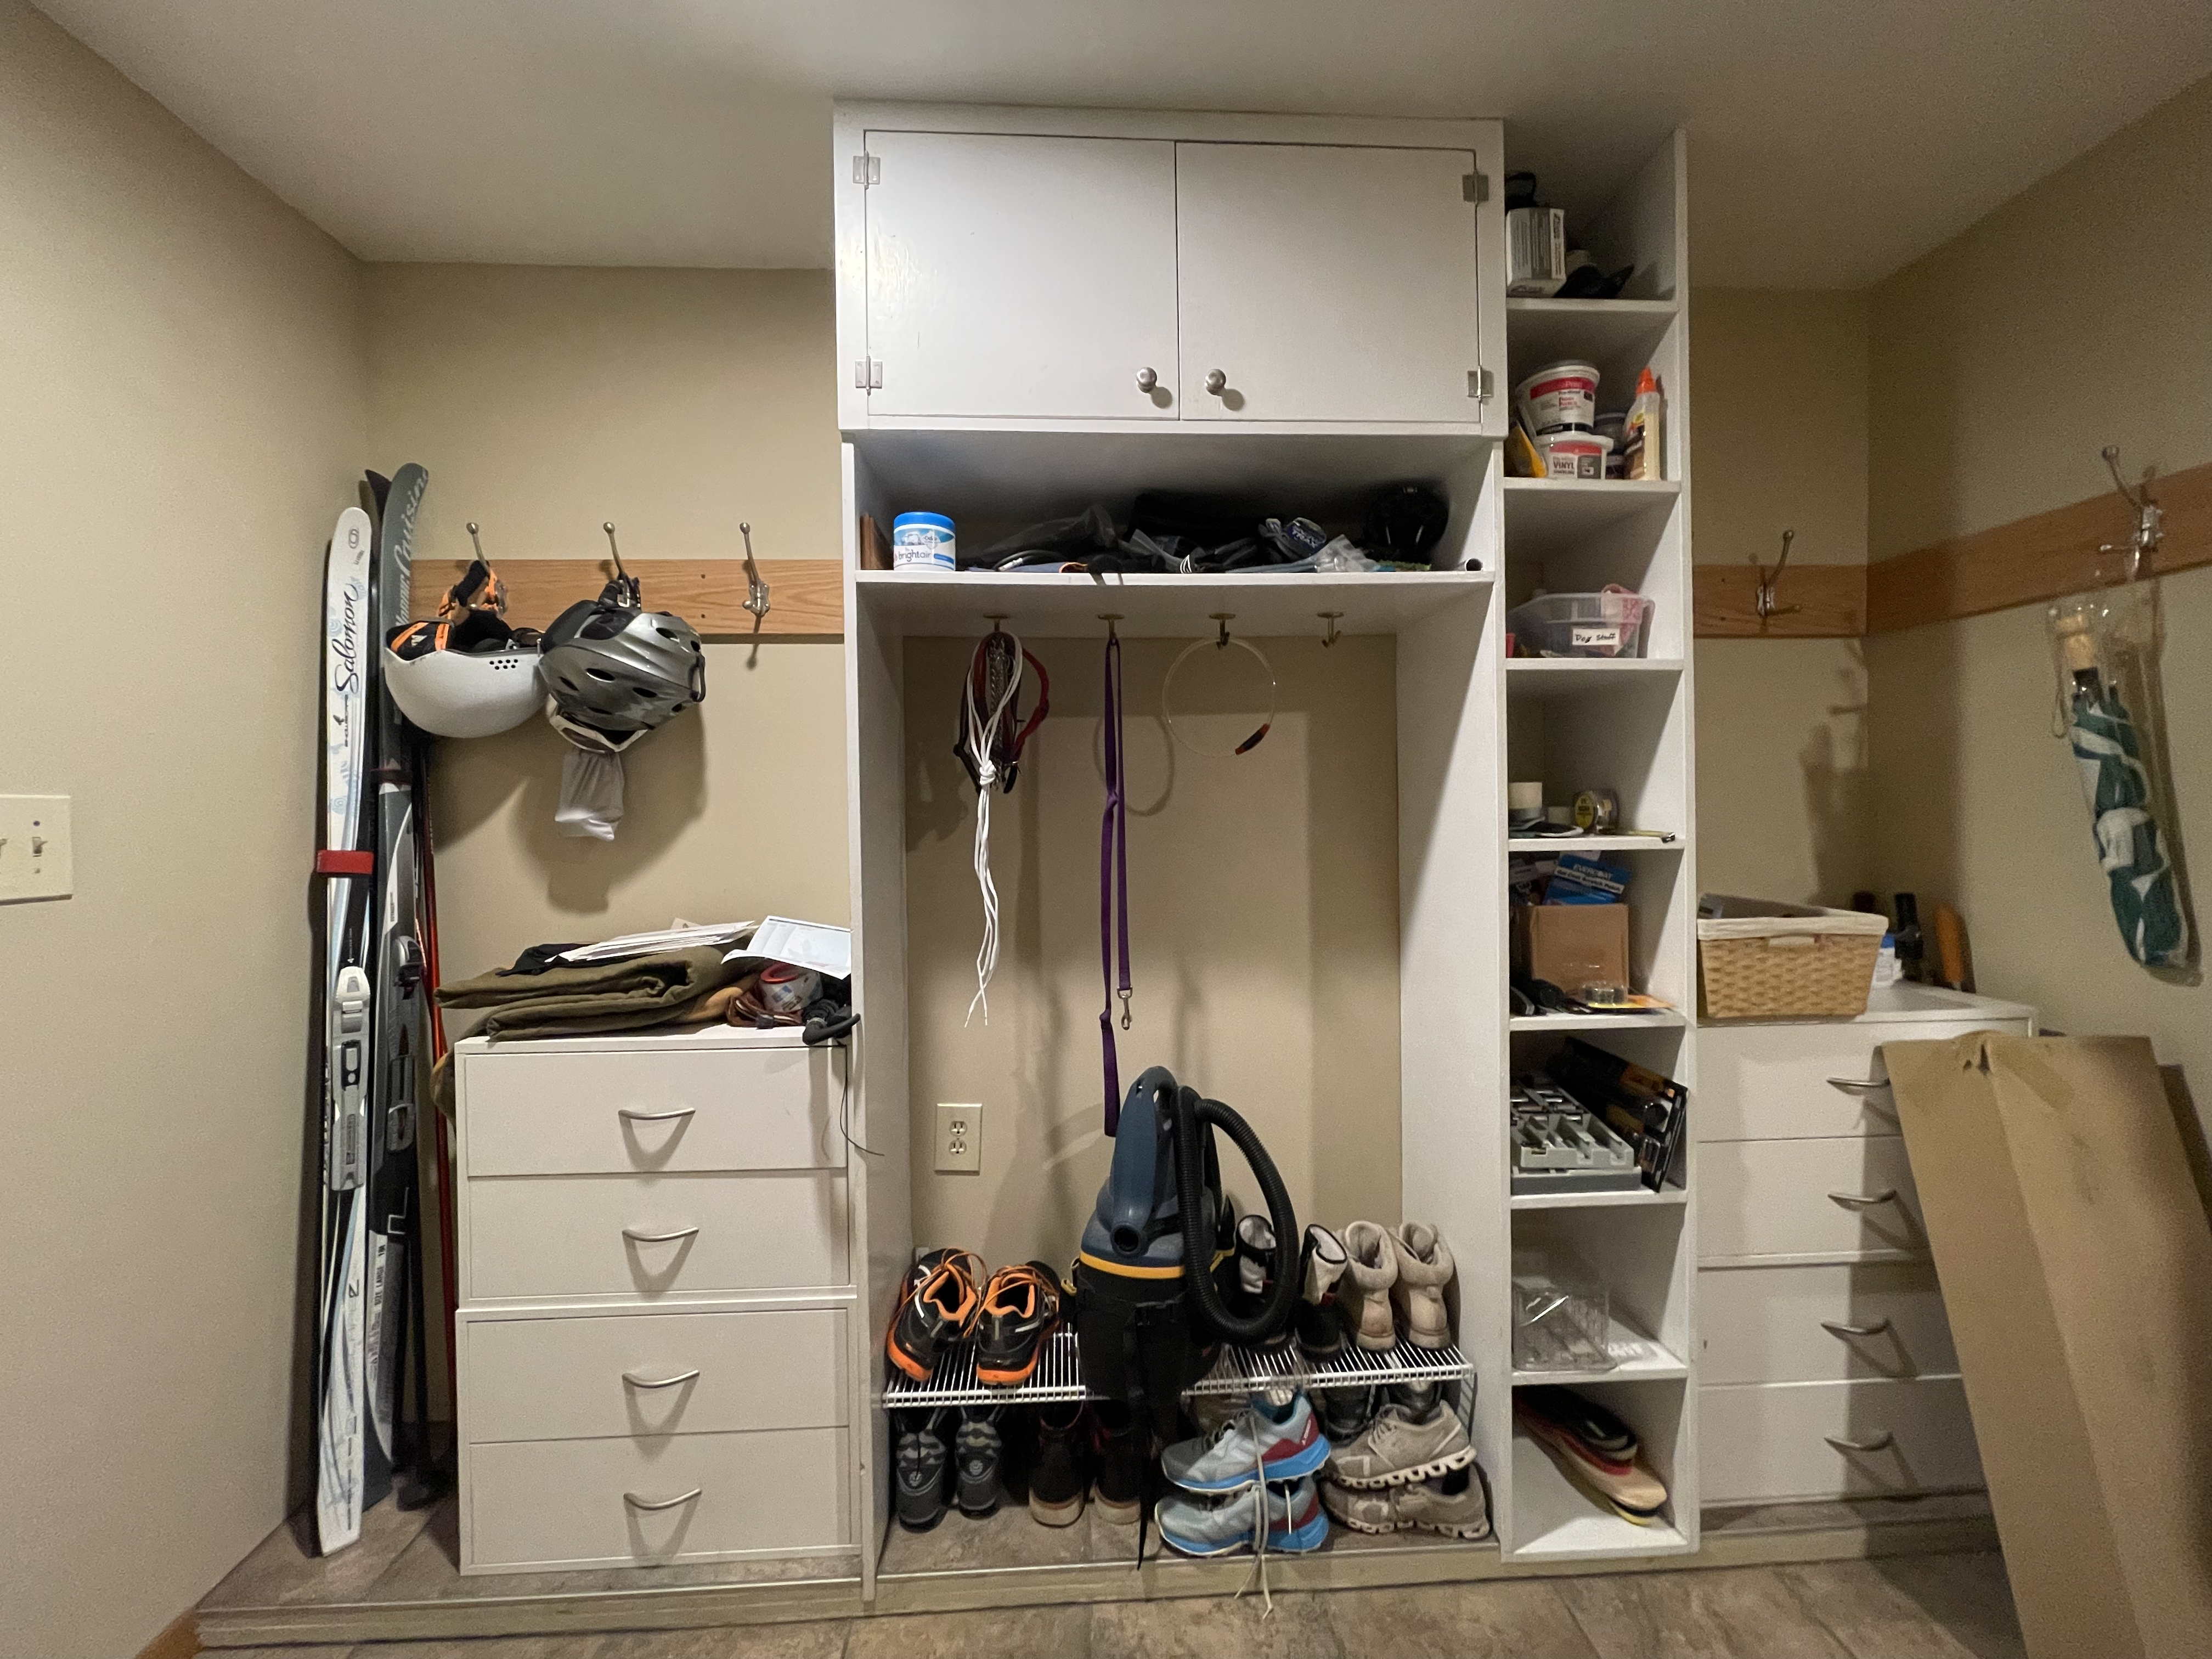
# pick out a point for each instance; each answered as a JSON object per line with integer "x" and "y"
{"x": 1474, "y": 186}
{"x": 867, "y": 170}
{"x": 868, "y": 375}
{"x": 1478, "y": 384}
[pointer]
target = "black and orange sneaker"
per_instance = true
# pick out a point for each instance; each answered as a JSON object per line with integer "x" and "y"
{"x": 938, "y": 1306}
{"x": 1021, "y": 1310}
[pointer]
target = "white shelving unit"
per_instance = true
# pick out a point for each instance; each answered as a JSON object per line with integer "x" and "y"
{"x": 1464, "y": 719}
{"x": 1623, "y": 724}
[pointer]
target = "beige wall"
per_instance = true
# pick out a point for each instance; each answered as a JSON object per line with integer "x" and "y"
{"x": 181, "y": 415}
{"x": 1263, "y": 900}
{"x": 1784, "y": 799}
{"x": 545, "y": 401}
{"x": 2077, "y": 315}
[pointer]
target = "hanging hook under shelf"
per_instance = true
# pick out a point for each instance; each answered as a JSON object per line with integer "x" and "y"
{"x": 1109, "y": 617}
{"x": 1225, "y": 617}
{"x": 1329, "y": 635}
{"x": 1763, "y": 602}
{"x": 2149, "y": 527}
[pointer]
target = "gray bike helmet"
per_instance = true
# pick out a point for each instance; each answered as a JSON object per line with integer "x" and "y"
{"x": 618, "y": 669}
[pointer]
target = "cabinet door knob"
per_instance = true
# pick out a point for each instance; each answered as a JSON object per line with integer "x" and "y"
{"x": 1881, "y": 1442}
{"x": 1216, "y": 382}
{"x": 1836, "y": 1327}
{"x": 1865, "y": 1200}
{"x": 1146, "y": 380}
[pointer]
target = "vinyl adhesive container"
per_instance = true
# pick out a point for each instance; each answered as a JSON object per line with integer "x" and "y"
{"x": 1559, "y": 395}
{"x": 921, "y": 541}
{"x": 1574, "y": 454}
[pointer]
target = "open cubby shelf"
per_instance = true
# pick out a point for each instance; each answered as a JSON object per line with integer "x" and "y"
{"x": 1238, "y": 1370}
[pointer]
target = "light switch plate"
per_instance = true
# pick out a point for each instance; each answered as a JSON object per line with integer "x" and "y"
{"x": 34, "y": 847}
{"x": 960, "y": 1139}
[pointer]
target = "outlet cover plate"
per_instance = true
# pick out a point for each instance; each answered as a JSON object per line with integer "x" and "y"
{"x": 960, "y": 1139}
{"x": 34, "y": 847}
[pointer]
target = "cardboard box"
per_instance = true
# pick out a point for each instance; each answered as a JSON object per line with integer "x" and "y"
{"x": 2076, "y": 1262}
{"x": 1572, "y": 944}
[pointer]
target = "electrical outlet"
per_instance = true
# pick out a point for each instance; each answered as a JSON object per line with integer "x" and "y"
{"x": 34, "y": 847}
{"x": 960, "y": 1138}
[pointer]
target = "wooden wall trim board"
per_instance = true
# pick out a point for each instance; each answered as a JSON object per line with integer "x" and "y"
{"x": 2028, "y": 561}
{"x": 806, "y": 597}
{"x": 2034, "y": 559}
{"x": 1830, "y": 601}
{"x": 179, "y": 1639}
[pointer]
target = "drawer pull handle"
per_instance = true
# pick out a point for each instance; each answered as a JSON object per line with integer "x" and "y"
{"x": 1836, "y": 1327}
{"x": 1866, "y": 1201}
{"x": 1864, "y": 1088}
{"x": 637, "y": 1381}
{"x": 637, "y": 1238}
{"x": 637, "y": 1502}
{"x": 1881, "y": 1442}
{"x": 635, "y": 1116}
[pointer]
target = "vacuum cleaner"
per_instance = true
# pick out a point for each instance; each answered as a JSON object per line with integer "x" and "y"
{"x": 1150, "y": 1314}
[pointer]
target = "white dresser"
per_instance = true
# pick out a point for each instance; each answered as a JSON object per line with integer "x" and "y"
{"x": 1826, "y": 1362}
{"x": 654, "y": 1338}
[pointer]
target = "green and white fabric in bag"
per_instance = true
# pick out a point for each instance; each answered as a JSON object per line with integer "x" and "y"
{"x": 2146, "y": 896}
{"x": 2104, "y": 647}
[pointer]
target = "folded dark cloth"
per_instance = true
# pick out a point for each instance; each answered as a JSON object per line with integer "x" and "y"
{"x": 638, "y": 992}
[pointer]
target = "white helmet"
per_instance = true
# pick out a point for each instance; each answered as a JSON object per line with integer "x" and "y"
{"x": 465, "y": 679}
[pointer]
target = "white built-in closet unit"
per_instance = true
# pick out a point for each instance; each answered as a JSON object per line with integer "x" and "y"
{"x": 1039, "y": 309}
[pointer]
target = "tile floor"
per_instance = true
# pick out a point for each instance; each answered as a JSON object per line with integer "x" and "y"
{"x": 1940, "y": 1606}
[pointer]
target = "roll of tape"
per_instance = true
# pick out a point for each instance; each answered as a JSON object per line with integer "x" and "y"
{"x": 1596, "y": 810}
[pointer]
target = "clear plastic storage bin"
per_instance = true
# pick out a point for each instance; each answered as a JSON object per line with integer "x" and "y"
{"x": 1610, "y": 624}
{"x": 1562, "y": 1315}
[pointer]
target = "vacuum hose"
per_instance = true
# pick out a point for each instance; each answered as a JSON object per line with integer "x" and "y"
{"x": 1192, "y": 1116}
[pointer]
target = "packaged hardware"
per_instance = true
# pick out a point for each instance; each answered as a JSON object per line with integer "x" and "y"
{"x": 1536, "y": 258}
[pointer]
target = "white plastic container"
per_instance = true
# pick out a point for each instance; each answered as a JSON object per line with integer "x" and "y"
{"x": 1610, "y": 624}
{"x": 921, "y": 541}
{"x": 1574, "y": 454}
{"x": 1559, "y": 395}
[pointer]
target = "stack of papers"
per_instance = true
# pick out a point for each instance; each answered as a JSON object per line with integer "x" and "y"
{"x": 677, "y": 936}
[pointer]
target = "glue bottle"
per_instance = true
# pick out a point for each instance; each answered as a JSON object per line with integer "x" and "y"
{"x": 1646, "y": 431}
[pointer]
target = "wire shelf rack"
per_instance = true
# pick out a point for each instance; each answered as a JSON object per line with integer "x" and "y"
{"x": 1059, "y": 1375}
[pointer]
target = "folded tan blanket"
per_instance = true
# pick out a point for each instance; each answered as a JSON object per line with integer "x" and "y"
{"x": 661, "y": 989}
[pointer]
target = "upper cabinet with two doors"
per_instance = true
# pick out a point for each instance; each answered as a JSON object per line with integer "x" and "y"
{"x": 1100, "y": 271}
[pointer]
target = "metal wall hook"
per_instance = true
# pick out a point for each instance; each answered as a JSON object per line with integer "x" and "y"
{"x": 1763, "y": 602}
{"x": 756, "y": 589}
{"x": 2149, "y": 518}
{"x": 1225, "y": 617}
{"x": 1109, "y": 617}
{"x": 609, "y": 526}
{"x": 474, "y": 540}
{"x": 1330, "y": 634}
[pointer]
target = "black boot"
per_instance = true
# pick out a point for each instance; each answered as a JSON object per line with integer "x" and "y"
{"x": 922, "y": 1469}
{"x": 976, "y": 1456}
{"x": 1123, "y": 1451}
{"x": 1061, "y": 1476}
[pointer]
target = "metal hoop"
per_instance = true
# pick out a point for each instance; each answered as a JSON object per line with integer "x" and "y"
{"x": 1167, "y": 714}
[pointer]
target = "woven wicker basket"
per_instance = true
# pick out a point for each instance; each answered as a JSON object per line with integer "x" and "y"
{"x": 1762, "y": 961}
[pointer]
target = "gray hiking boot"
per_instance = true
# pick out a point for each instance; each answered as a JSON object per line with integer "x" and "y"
{"x": 1399, "y": 1450}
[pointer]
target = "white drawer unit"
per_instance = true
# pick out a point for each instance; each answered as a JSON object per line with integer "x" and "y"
{"x": 666, "y": 1111}
{"x": 1826, "y": 1364}
{"x": 648, "y": 1236}
{"x": 655, "y": 1339}
{"x": 654, "y": 1374}
{"x": 1822, "y": 1324}
{"x": 651, "y": 1500}
{"x": 1765, "y": 1442}
{"x": 1846, "y": 1198}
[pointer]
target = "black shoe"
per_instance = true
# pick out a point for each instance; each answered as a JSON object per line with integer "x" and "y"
{"x": 922, "y": 1470}
{"x": 1416, "y": 1398}
{"x": 1122, "y": 1449}
{"x": 1021, "y": 1310}
{"x": 1320, "y": 1264}
{"x": 1346, "y": 1413}
{"x": 975, "y": 1480}
{"x": 939, "y": 1306}
{"x": 1061, "y": 1475}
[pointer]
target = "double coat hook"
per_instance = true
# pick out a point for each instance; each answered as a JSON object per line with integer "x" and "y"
{"x": 2149, "y": 528}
